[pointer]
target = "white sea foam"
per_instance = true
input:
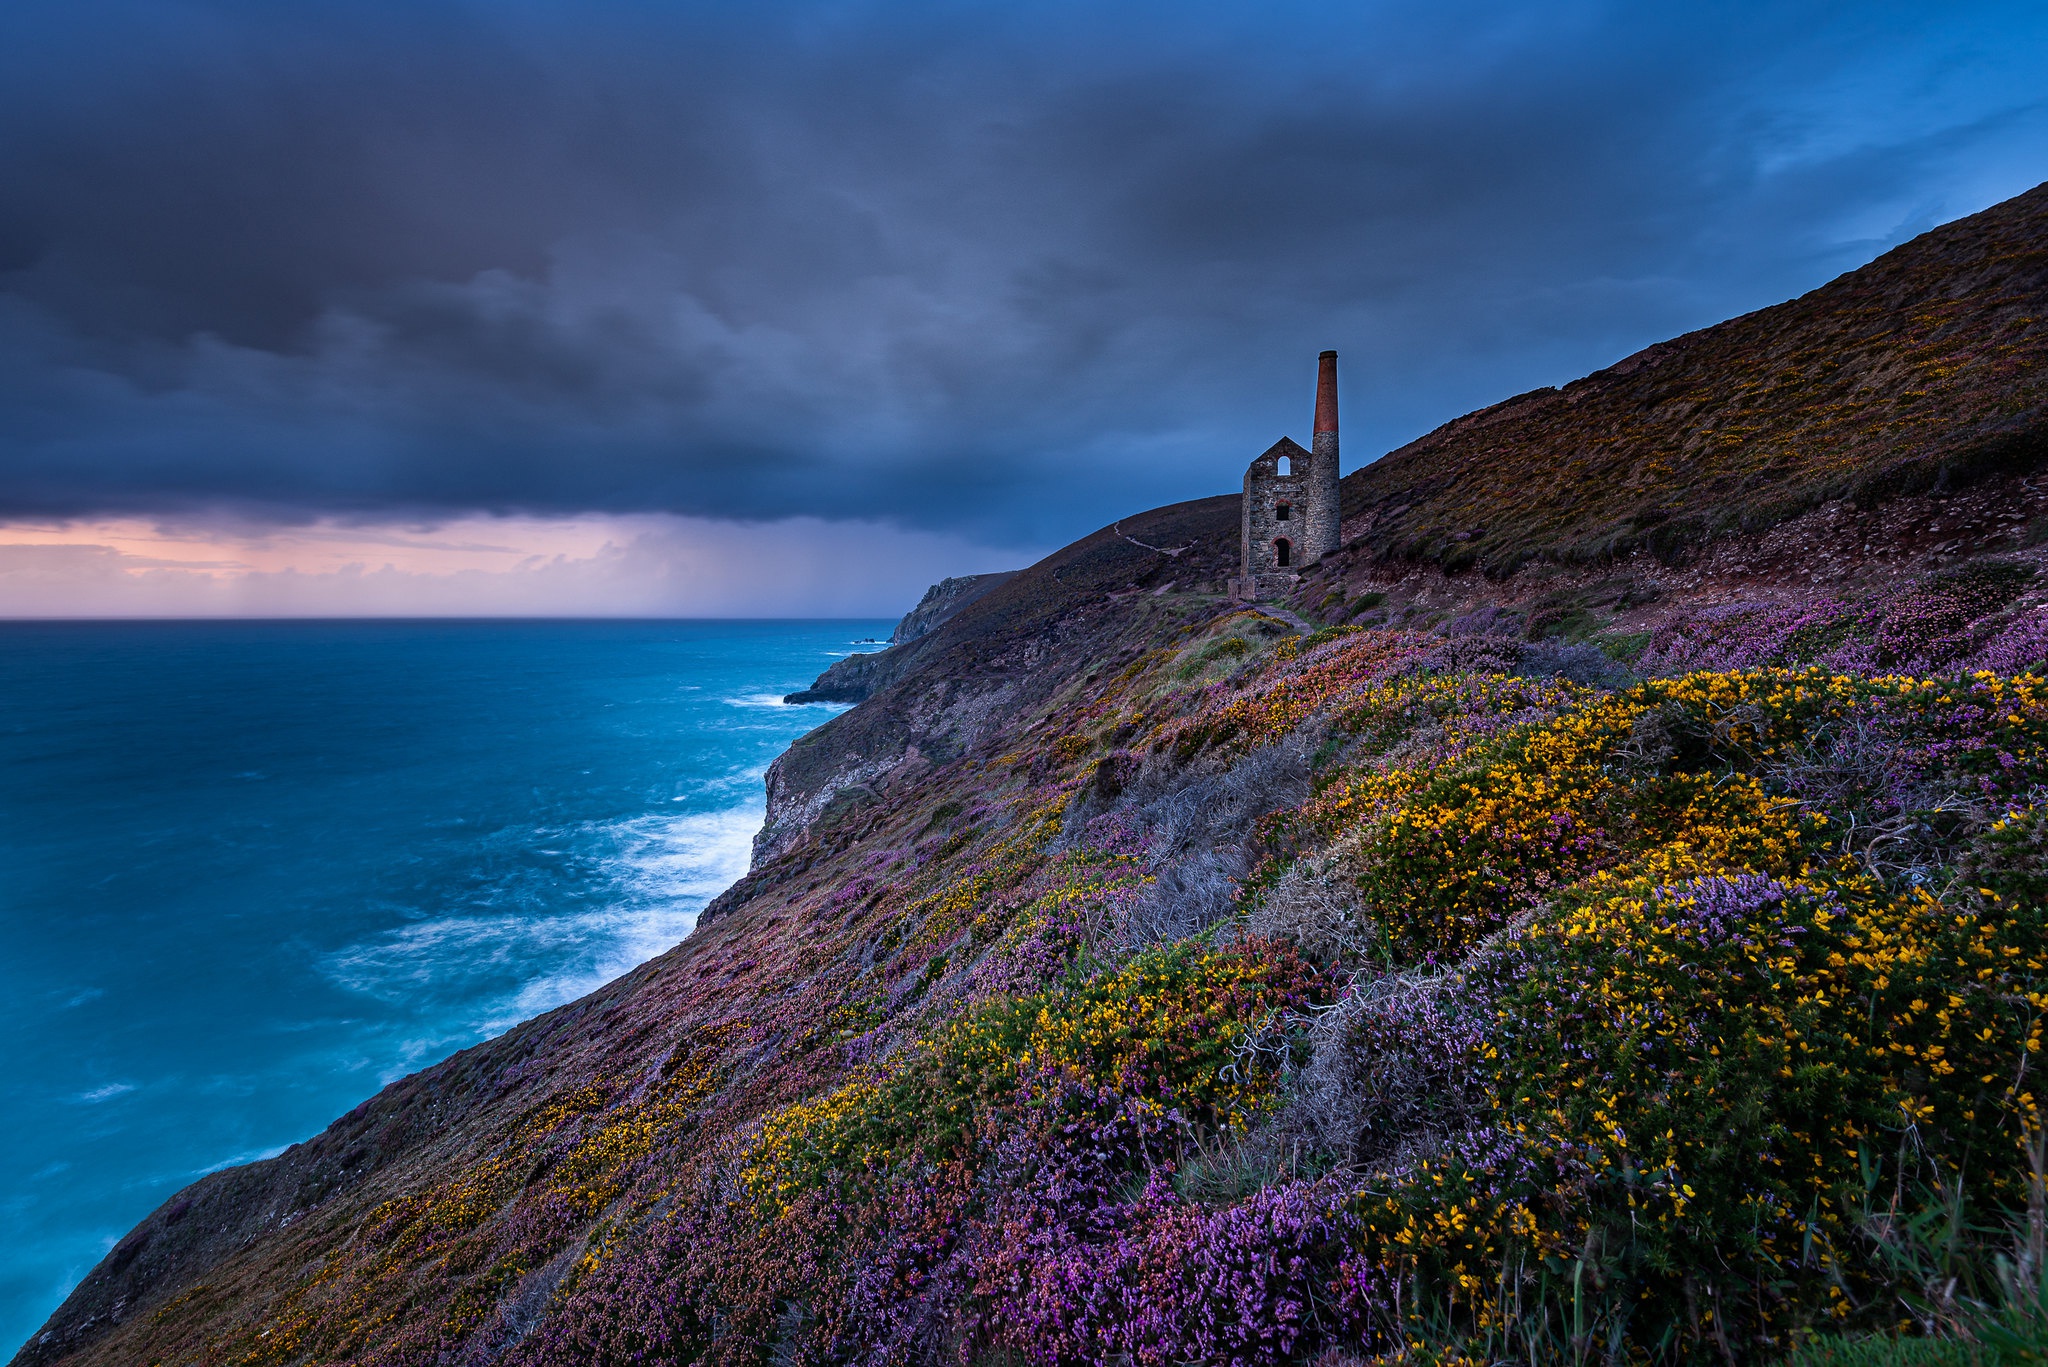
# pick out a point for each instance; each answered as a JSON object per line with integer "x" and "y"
{"x": 106, "y": 1093}
{"x": 756, "y": 700}
{"x": 640, "y": 884}
{"x": 666, "y": 869}
{"x": 775, "y": 700}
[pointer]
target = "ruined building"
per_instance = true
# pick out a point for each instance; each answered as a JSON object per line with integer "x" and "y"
{"x": 1291, "y": 513}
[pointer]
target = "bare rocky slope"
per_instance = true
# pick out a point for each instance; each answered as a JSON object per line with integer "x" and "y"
{"x": 590, "y": 1186}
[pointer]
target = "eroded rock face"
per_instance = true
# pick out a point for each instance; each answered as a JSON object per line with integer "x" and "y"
{"x": 793, "y": 806}
{"x": 857, "y": 678}
{"x": 854, "y": 679}
{"x": 972, "y": 654}
{"x": 942, "y": 600}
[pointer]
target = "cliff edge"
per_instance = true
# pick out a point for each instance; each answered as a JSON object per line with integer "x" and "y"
{"x": 855, "y": 678}
{"x": 1633, "y": 866}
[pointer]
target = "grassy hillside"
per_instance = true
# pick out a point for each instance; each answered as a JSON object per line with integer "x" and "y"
{"x": 1370, "y": 992}
{"x": 1141, "y": 976}
{"x": 1922, "y": 369}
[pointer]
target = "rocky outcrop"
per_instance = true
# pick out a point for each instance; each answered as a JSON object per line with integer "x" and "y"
{"x": 793, "y": 807}
{"x": 975, "y": 657}
{"x": 857, "y": 678}
{"x": 942, "y": 600}
{"x": 854, "y": 679}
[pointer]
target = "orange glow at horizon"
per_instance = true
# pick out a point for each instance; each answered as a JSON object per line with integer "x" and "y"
{"x": 487, "y": 544}
{"x": 628, "y": 565}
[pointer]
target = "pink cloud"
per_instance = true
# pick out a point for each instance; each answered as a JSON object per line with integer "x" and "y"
{"x": 654, "y": 566}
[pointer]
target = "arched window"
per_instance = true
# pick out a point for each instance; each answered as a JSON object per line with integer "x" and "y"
{"x": 1283, "y": 554}
{"x": 1286, "y": 466}
{"x": 1282, "y": 512}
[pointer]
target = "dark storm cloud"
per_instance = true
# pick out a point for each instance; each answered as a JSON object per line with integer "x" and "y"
{"x": 1009, "y": 272}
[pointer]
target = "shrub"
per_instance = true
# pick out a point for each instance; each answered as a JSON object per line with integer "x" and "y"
{"x": 1567, "y": 1018}
{"x": 1364, "y": 602}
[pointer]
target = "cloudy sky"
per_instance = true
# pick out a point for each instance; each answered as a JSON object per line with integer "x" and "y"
{"x": 565, "y": 306}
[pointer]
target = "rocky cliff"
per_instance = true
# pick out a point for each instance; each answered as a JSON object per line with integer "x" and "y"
{"x": 942, "y": 600}
{"x": 1600, "y": 911}
{"x": 857, "y": 677}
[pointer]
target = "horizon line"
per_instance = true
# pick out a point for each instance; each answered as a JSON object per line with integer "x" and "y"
{"x": 424, "y": 617}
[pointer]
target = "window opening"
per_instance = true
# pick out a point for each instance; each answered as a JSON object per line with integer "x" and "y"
{"x": 1282, "y": 552}
{"x": 1281, "y": 512}
{"x": 1286, "y": 465}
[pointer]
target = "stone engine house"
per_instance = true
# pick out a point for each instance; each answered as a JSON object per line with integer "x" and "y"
{"x": 1292, "y": 516}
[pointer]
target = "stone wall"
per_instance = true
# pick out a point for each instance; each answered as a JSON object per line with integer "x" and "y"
{"x": 1325, "y": 502}
{"x": 1266, "y": 493}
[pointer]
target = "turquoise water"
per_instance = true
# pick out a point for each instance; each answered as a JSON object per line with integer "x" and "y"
{"x": 251, "y": 872}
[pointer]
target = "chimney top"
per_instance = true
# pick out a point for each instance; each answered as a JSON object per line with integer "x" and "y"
{"x": 1326, "y": 392}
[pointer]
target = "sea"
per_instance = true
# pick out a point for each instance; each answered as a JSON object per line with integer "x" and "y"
{"x": 250, "y": 872}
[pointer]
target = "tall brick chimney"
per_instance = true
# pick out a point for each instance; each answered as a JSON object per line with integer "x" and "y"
{"x": 1292, "y": 520}
{"x": 1326, "y": 516}
{"x": 1326, "y": 405}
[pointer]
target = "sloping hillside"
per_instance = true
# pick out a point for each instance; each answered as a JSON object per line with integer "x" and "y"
{"x": 1923, "y": 369}
{"x": 967, "y": 682}
{"x": 1623, "y": 959}
{"x": 908, "y": 768}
